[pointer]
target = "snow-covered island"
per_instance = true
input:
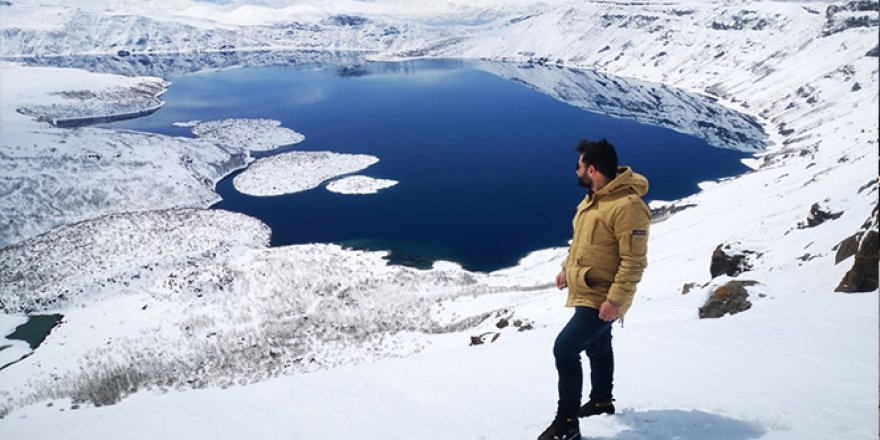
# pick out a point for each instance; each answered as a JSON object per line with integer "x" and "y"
{"x": 253, "y": 134}
{"x": 109, "y": 228}
{"x": 296, "y": 171}
{"x": 360, "y": 185}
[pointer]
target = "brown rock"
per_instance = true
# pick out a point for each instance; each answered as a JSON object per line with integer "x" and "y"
{"x": 847, "y": 248}
{"x": 818, "y": 216}
{"x": 687, "y": 287}
{"x": 863, "y": 275}
{"x": 730, "y": 264}
{"x": 731, "y": 298}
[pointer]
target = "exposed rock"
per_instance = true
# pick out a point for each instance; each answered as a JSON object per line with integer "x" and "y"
{"x": 847, "y": 248}
{"x": 687, "y": 287}
{"x": 863, "y": 275}
{"x": 836, "y": 22}
{"x": 522, "y": 325}
{"x": 502, "y": 323}
{"x": 858, "y": 5}
{"x": 346, "y": 20}
{"x": 740, "y": 21}
{"x": 729, "y": 263}
{"x": 485, "y": 337}
{"x": 731, "y": 298}
{"x": 872, "y": 184}
{"x": 661, "y": 214}
{"x": 818, "y": 216}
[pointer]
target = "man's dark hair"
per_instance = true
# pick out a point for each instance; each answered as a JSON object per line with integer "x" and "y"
{"x": 599, "y": 154}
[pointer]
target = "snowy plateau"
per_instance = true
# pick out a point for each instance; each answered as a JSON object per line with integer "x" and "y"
{"x": 182, "y": 322}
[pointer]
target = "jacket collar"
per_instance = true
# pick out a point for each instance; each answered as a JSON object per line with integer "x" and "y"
{"x": 626, "y": 180}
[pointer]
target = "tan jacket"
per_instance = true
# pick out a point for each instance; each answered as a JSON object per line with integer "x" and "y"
{"x": 609, "y": 250}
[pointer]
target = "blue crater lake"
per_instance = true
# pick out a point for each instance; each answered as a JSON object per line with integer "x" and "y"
{"x": 484, "y": 152}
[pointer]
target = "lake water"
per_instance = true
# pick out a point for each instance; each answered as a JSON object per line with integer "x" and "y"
{"x": 484, "y": 153}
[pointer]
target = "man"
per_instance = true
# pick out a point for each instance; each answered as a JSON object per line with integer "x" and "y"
{"x": 604, "y": 263}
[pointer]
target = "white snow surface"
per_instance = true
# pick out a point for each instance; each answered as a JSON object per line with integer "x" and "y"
{"x": 388, "y": 347}
{"x": 52, "y": 176}
{"x": 297, "y": 171}
{"x": 360, "y": 185}
{"x": 11, "y": 350}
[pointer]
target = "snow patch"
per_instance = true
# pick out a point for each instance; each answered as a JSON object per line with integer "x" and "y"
{"x": 187, "y": 124}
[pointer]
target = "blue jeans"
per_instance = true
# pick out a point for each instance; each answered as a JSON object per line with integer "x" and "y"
{"x": 584, "y": 332}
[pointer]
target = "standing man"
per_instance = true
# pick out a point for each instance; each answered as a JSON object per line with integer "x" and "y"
{"x": 605, "y": 262}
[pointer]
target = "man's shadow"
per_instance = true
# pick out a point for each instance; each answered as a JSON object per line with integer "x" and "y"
{"x": 679, "y": 425}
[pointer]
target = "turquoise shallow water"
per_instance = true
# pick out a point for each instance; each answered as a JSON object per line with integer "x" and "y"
{"x": 485, "y": 165}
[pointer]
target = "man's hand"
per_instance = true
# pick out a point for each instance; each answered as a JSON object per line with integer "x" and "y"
{"x": 560, "y": 281}
{"x": 608, "y": 312}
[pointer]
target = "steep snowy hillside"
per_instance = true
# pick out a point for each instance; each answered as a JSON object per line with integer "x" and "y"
{"x": 181, "y": 299}
{"x": 67, "y": 30}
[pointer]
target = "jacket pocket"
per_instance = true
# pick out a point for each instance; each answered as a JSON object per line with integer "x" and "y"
{"x": 582, "y": 277}
{"x": 638, "y": 243}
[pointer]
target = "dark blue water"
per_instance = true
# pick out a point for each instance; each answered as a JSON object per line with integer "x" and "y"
{"x": 485, "y": 165}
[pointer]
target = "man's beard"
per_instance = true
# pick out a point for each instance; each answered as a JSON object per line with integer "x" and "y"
{"x": 585, "y": 182}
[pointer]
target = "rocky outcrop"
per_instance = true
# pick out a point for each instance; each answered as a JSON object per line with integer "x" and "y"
{"x": 484, "y": 338}
{"x": 663, "y": 213}
{"x": 729, "y": 299}
{"x": 730, "y": 262}
{"x": 818, "y": 215}
{"x": 688, "y": 287}
{"x": 847, "y": 247}
{"x": 865, "y": 246}
{"x": 863, "y": 275}
{"x": 859, "y": 13}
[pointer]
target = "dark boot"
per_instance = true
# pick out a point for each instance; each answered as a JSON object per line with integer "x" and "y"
{"x": 562, "y": 428}
{"x": 593, "y": 408}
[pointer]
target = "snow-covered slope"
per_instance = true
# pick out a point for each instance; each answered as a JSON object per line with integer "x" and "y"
{"x": 800, "y": 364}
{"x": 41, "y": 29}
{"x": 53, "y": 176}
{"x": 649, "y": 103}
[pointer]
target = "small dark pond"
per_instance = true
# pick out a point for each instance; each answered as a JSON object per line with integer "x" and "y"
{"x": 484, "y": 152}
{"x": 35, "y": 330}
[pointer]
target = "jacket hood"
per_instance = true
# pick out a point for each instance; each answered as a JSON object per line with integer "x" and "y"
{"x": 626, "y": 180}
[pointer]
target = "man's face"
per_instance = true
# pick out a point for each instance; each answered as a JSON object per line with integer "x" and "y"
{"x": 583, "y": 175}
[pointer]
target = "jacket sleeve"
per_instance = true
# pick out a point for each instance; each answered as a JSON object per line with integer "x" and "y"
{"x": 631, "y": 229}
